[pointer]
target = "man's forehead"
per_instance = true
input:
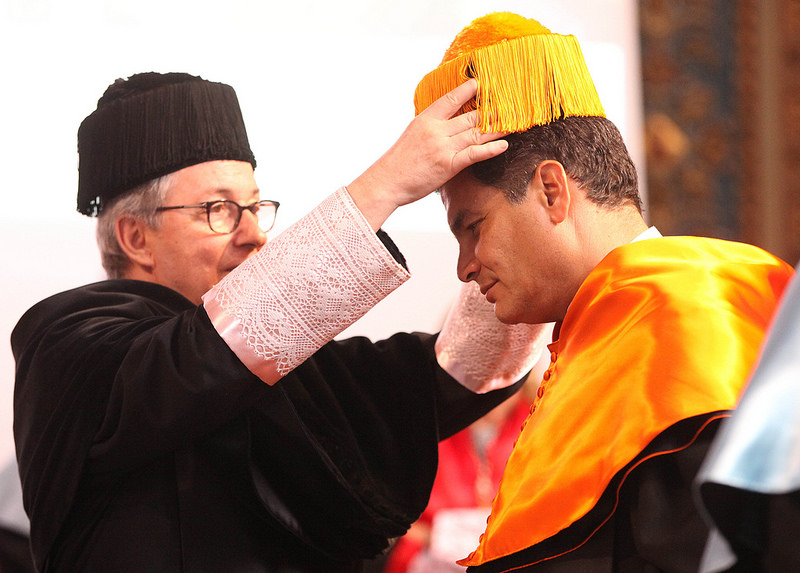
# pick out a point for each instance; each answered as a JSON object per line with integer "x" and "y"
{"x": 461, "y": 202}
{"x": 453, "y": 190}
{"x": 446, "y": 193}
{"x": 464, "y": 189}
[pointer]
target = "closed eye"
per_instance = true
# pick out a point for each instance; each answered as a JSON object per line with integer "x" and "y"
{"x": 472, "y": 227}
{"x": 459, "y": 226}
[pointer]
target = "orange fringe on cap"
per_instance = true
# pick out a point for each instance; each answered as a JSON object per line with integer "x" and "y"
{"x": 526, "y": 75}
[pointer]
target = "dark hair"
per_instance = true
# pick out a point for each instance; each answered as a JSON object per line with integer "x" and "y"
{"x": 590, "y": 149}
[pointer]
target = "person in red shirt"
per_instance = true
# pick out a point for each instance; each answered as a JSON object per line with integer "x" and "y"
{"x": 471, "y": 464}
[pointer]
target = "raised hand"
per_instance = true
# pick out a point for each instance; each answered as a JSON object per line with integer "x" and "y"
{"x": 435, "y": 146}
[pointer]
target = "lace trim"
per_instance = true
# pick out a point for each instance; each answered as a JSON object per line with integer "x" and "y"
{"x": 481, "y": 352}
{"x": 303, "y": 288}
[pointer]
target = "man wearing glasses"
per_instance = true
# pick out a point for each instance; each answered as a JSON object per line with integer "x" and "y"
{"x": 192, "y": 413}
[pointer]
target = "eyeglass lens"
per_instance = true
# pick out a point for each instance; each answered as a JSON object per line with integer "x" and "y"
{"x": 224, "y": 216}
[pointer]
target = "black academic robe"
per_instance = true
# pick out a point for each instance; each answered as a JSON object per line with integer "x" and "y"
{"x": 145, "y": 445}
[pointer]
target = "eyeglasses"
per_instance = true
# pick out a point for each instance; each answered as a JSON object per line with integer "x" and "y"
{"x": 223, "y": 216}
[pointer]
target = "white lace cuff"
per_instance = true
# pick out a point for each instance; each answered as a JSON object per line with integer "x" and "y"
{"x": 481, "y": 352}
{"x": 303, "y": 288}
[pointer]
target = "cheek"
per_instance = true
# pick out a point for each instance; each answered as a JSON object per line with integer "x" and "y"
{"x": 213, "y": 259}
{"x": 496, "y": 250}
{"x": 202, "y": 259}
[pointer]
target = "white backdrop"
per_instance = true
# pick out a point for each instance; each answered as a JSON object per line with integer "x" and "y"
{"x": 325, "y": 88}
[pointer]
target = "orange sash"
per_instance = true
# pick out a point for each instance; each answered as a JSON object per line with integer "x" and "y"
{"x": 660, "y": 331}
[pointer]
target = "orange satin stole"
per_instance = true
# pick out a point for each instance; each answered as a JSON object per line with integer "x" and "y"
{"x": 660, "y": 331}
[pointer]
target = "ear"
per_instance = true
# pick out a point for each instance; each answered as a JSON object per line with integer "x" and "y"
{"x": 556, "y": 189}
{"x": 132, "y": 237}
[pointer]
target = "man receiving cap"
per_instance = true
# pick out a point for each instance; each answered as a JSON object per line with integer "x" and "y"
{"x": 192, "y": 413}
{"x": 654, "y": 336}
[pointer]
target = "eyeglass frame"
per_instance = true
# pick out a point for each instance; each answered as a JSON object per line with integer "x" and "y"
{"x": 242, "y": 208}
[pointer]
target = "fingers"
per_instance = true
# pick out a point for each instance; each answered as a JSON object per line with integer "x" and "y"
{"x": 437, "y": 144}
{"x": 448, "y": 105}
{"x": 463, "y": 127}
{"x": 476, "y": 153}
{"x": 469, "y": 144}
{"x": 461, "y": 124}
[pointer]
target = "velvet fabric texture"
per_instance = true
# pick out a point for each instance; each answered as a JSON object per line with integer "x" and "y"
{"x": 153, "y": 124}
{"x": 144, "y": 444}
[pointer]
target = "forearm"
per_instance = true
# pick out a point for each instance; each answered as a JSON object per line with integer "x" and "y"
{"x": 303, "y": 288}
{"x": 482, "y": 353}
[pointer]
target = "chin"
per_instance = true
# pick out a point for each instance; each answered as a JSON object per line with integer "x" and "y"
{"x": 507, "y": 317}
{"x": 511, "y": 315}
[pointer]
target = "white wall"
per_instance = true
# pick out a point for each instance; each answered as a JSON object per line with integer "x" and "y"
{"x": 325, "y": 87}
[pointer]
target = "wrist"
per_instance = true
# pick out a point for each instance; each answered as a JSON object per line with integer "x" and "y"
{"x": 368, "y": 192}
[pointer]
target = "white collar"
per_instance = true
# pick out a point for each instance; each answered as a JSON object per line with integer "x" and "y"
{"x": 650, "y": 233}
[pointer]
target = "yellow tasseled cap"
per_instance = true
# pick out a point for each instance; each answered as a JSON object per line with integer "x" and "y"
{"x": 527, "y": 75}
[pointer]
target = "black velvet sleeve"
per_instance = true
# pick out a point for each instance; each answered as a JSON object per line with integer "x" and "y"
{"x": 370, "y": 414}
{"x": 113, "y": 375}
{"x": 132, "y": 365}
{"x": 108, "y": 376}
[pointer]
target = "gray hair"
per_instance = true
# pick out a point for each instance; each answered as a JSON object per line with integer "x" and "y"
{"x": 140, "y": 203}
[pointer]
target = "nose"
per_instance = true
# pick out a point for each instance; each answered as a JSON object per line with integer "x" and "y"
{"x": 248, "y": 233}
{"x": 468, "y": 266}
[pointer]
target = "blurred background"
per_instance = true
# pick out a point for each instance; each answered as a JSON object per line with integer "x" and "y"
{"x": 325, "y": 89}
{"x": 704, "y": 92}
